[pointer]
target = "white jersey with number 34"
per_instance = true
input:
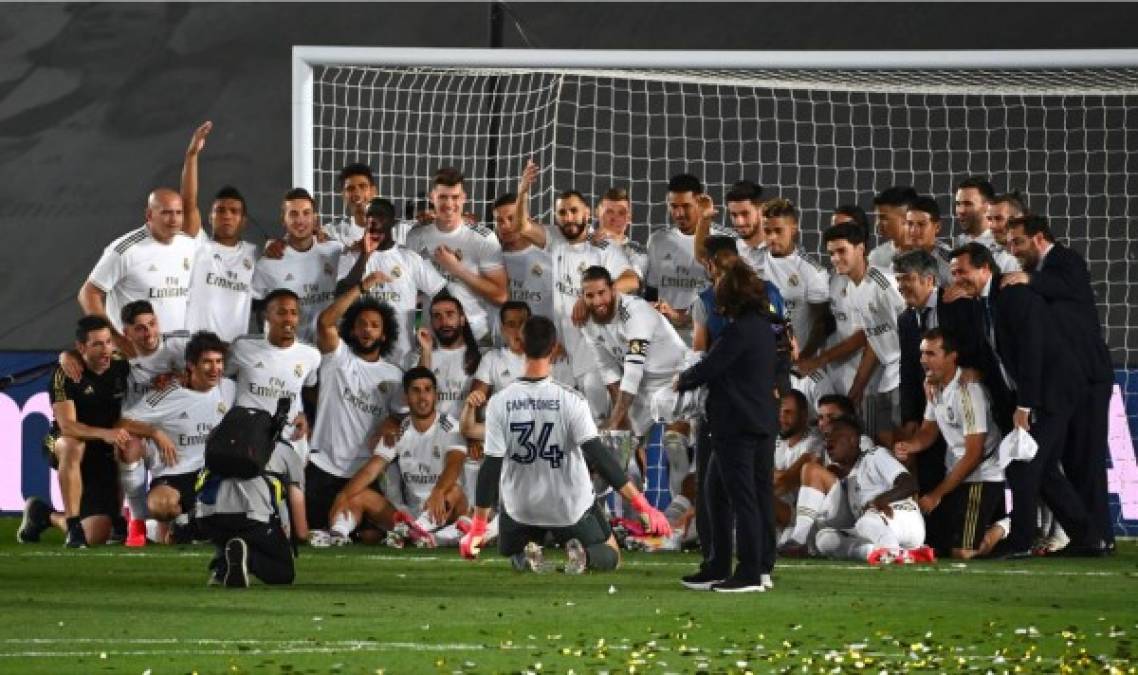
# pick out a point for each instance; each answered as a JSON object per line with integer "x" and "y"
{"x": 537, "y": 428}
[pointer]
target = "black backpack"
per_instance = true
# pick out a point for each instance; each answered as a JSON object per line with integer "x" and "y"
{"x": 242, "y": 443}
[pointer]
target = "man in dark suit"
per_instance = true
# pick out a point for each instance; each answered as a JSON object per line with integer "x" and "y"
{"x": 917, "y": 273}
{"x": 1060, "y": 276}
{"x": 1037, "y": 364}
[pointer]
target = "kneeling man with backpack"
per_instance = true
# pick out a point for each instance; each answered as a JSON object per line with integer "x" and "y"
{"x": 248, "y": 470}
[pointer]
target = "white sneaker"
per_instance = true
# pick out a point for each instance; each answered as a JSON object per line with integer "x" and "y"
{"x": 767, "y": 581}
{"x": 531, "y": 559}
{"x": 319, "y": 539}
{"x": 576, "y": 559}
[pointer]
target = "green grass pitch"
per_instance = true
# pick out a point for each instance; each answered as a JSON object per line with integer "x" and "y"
{"x": 376, "y": 610}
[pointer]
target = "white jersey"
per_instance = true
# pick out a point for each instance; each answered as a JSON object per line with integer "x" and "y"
{"x": 530, "y": 272}
{"x": 310, "y": 274}
{"x": 638, "y": 342}
{"x": 637, "y": 255}
{"x": 186, "y": 416}
{"x": 136, "y": 266}
{"x": 410, "y": 277}
{"x": 348, "y": 233}
{"x": 168, "y": 359}
{"x": 478, "y": 250}
{"x": 876, "y": 304}
{"x": 962, "y": 410}
{"x": 537, "y": 428}
{"x": 1004, "y": 260}
{"x": 757, "y": 257}
{"x": 422, "y": 456}
{"x": 673, "y": 269}
{"x": 501, "y": 367}
{"x": 221, "y": 289}
{"x": 874, "y": 473}
{"x": 453, "y": 383}
{"x": 266, "y": 373}
{"x": 882, "y": 256}
{"x": 355, "y": 396}
{"x": 785, "y": 454}
{"x": 802, "y": 282}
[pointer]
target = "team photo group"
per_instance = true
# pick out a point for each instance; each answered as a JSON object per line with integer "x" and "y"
{"x": 421, "y": 375}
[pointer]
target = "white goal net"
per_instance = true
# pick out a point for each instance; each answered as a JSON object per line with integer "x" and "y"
{"x": 1066, "y": 136}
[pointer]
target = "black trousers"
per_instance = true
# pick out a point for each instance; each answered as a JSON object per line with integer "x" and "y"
{"x": 702, "y": 508}
{"x": 740, "y": 493}
{"x": 1041, "y": 477}
{"x": 1085, "y": 453}
{"x": 270, "y": 554}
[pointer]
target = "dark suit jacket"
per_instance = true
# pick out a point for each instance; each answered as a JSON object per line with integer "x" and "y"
{"x": 964, "y": 320}
{"x": 739, "y": 373}
{"x": 911, "y": 390}
{"x": 1065, "y": 283}
{"x": 1047, "y": 375}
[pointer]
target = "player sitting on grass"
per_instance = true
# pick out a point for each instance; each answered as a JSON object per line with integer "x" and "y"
{"x": 798, "y": 445}
{"x": 544, "y": 434}
{"x": 431, "y": 453}
{"x": 864, "y": 504}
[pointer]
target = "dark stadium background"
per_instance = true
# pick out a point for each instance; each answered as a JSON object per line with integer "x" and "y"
{"x": 97, "y": 102}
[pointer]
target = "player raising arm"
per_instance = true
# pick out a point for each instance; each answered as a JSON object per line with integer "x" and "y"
{"x": 540, "y": 442}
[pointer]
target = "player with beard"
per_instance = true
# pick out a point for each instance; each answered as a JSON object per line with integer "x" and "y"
{"x": 82, "y": 442}
{"x": 973, "y": 196}
{"x": 430, "y": 452}
{"x": 359, "y": 389}
{"x": 745, "y": 208}
{"x": 357, "y": 189}
{"x": 614, "y": 218}
{"x": 639, "y": 351}
{"x": 152, "y": 263}
{"x": 307, "y": 267}
{"x": 572, "y": 253}
{"x": 892, "y": 235}
{"x": 798, "y": 444}
{"x": 177, "y": 420}
{"x": 529, "y": 267}
{"x": 221, "y": 294}
{"x": 399, "y": 276}
{"x": 274, "y": 366}
{"x": 1002, "y": 209}
{"x": 468, "y": 257}
{"x": 922, "y": 223}
{"x": 802, "y": 281}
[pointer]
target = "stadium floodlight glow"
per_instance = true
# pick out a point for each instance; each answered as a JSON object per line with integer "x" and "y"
{"x": 819, "y": 128}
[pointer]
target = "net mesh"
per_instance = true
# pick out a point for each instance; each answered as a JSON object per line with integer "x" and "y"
{"x": 1067, "y": 139}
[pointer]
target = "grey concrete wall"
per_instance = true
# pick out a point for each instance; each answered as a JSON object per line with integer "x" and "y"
{"x": 97, "y": 101}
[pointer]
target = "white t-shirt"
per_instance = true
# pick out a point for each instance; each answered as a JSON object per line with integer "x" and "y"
{"x": 168, "y": 358}
{"x": 478, "y": 250}
{"x": 802, "y": 282}
{"x": 310, "y": 274}
{"x": 453, "y": 383}
{"x": 221, "y": 289}
{"x": 136, "y": 266}
{"x": 1004, "y": 260}
{"x": 186, "y": 416}
{"x": 757, "y": 257}
{"x": 842, "y": 373}
{"x": 961, "y": 410}
{"x": 501, "y": 367}
{"x": 355, "y": 396}
{"x": 411, "y": 276}
{"x": 530, "y": 272}
{"x": 266, "y": 373}
{"x": 537, "y": 427}
{"x": 638, "y": 342}
{"x": 673, "y": 269}
{"x": 882, "y": 256}
{"x": 786, "y": 454}
{"x": 876, "y": 304}
{"x": 874, "y": 473}
{"x": 422, "y": 456}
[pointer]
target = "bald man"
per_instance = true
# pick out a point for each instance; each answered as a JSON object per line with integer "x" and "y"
{"x": 151, "y": 263}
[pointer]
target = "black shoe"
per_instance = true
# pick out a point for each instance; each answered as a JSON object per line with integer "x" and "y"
{"x": 1099, "y": 549}
{"x": 182, "y": 533}
{"x": 736, "y": 585}
{"x": 76, "y": 537}
{"x": 236, "y": 564}
{"x": 118, "y": 530}
{"x": 37, "y": 518}
{"x": 1002, "y": 551}
{"x": 702, "y": 580}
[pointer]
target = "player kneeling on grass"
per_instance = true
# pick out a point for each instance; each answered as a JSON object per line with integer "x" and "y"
{"x": 544, "y": 434}
{"x": 864, "y": 504}
{"x": 431, "y": 453}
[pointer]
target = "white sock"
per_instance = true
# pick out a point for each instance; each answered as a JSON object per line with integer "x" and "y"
{"x": 344, "y": 524}
{"x": 132, "y": 477}
{"x": 425, "y": 522}
{"x": 873, "y": 528}
{"x": 806, "y": 513}
{"x": 491, "y": 531}
{"x": 448, "y": 535}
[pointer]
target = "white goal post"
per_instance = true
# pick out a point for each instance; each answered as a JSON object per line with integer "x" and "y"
{"x": 820, "y": 128}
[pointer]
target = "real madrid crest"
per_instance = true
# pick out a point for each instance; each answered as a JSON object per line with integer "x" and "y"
{"x": 582, "y": 267}
{"x": 247, "y": 263}
{"x": 186, "y": 264}
{"x": 435, "y": 452}
{"x": 458, "y": 254}
{"x": 298, "y": 370}
{"x": 220, "y": 408}
{"x": 328, "y": 269}
{"x": 793, "y": 280}
{"x": 949, "y": 414}
{"x": 396, "y": 272}
{"x": 383, "y": 387}
{"x": 536, "y": 271}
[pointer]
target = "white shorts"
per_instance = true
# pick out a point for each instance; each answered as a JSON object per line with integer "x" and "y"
{"x": 640, "y": 412}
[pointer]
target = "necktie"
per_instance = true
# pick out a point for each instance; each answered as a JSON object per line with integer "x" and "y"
{"x": 989, "y": 327}
{"x": 923, "y": 318}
